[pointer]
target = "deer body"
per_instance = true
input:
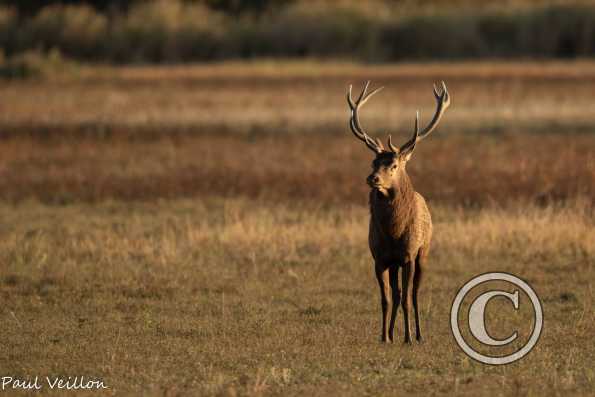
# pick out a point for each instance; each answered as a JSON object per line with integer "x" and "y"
{"x": 400, "y": 222}
{"x": 400, "y": 225}
{"x": 399, "y": 237}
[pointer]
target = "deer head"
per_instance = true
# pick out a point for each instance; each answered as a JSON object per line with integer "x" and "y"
{"x": 389, "y": 165}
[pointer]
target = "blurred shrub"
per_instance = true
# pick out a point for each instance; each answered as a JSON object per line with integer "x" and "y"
{"x": 439, "y": 36}
{"x": 166, "y": 31}
{"x": 8, "y": 26}
{"x": 565, "y": 32}
{"x": 503, "y": 35}
{"x": 78, "y": 31}
{"x": 31, "y": 64}
{"x": 16, "y": 68}
{"x": 180, "y": 31}
{"x": 236, "y": 7}
{"x": 299, "y": 31}
{"x": 558, "y": 31}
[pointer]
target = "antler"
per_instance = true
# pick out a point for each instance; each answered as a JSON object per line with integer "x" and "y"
{"x": 374, "y": 144}
{"x": 442, "y": 103}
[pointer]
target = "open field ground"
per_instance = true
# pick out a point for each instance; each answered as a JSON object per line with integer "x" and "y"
{"x": 203, "y": 230}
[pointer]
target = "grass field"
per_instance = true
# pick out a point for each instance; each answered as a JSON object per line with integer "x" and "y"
{"x": 203, "y": 230}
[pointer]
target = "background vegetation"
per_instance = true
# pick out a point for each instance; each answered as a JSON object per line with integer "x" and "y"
{"x": 173, "y": 31}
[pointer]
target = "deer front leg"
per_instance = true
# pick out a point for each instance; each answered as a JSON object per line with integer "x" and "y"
{"x": 382, "y": 275}
{"x": 408, "y": 272}
{"x": 421, "y": 260}
{"x": 394, "y": 283}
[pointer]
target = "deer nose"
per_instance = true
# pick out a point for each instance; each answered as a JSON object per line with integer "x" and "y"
{"x": 373, "y": 179}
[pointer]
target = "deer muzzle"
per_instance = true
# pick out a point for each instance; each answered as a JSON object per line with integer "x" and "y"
{"x": 373, "y": 180}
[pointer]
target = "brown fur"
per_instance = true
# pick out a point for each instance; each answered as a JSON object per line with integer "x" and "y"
{"x": 399, "y": 236}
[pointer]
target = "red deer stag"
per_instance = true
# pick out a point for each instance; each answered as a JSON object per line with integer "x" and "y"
{"x": 400, "y": 224}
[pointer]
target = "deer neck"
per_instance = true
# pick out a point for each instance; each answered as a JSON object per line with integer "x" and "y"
{"x": 393, "y": 209}
{"x": 401, "y": 197}
{"x": 402, "y": 186}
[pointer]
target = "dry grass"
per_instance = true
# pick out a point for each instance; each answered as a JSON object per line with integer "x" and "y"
{"x": 462, "y": 170}
{"x": 278, "y": 130}
{"x": 299, "y": 97}
{"x": 202, "y": 230}
{"x": 222, "y": 296}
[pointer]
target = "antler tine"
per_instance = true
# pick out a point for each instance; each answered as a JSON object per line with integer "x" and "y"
{"x": 416, "y": 133}
{"x": 374, "y": 144}
{"x": 410, "y": 144}
{"x": 392, "y": 147}
{"x": 363, "y": 93}
{"x": 442, "y": 103}
{"x": 437, "y": 91}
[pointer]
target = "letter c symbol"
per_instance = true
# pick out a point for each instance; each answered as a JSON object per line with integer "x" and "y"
{"x": 477, "y": 317}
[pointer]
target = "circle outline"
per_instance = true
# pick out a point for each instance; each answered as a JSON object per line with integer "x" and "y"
{"x": 537, "y": 315}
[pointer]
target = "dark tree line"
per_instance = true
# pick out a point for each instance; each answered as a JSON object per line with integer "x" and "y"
{"x": 185, "y": 31}
{"x": 31, "y": 7}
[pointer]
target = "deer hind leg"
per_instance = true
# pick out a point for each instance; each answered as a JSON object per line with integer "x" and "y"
{"x": 382, "y": 275}
{"x": 394, "y": 283}
{"x": 408, "y": 274}
{"x": 417, "y": 278}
